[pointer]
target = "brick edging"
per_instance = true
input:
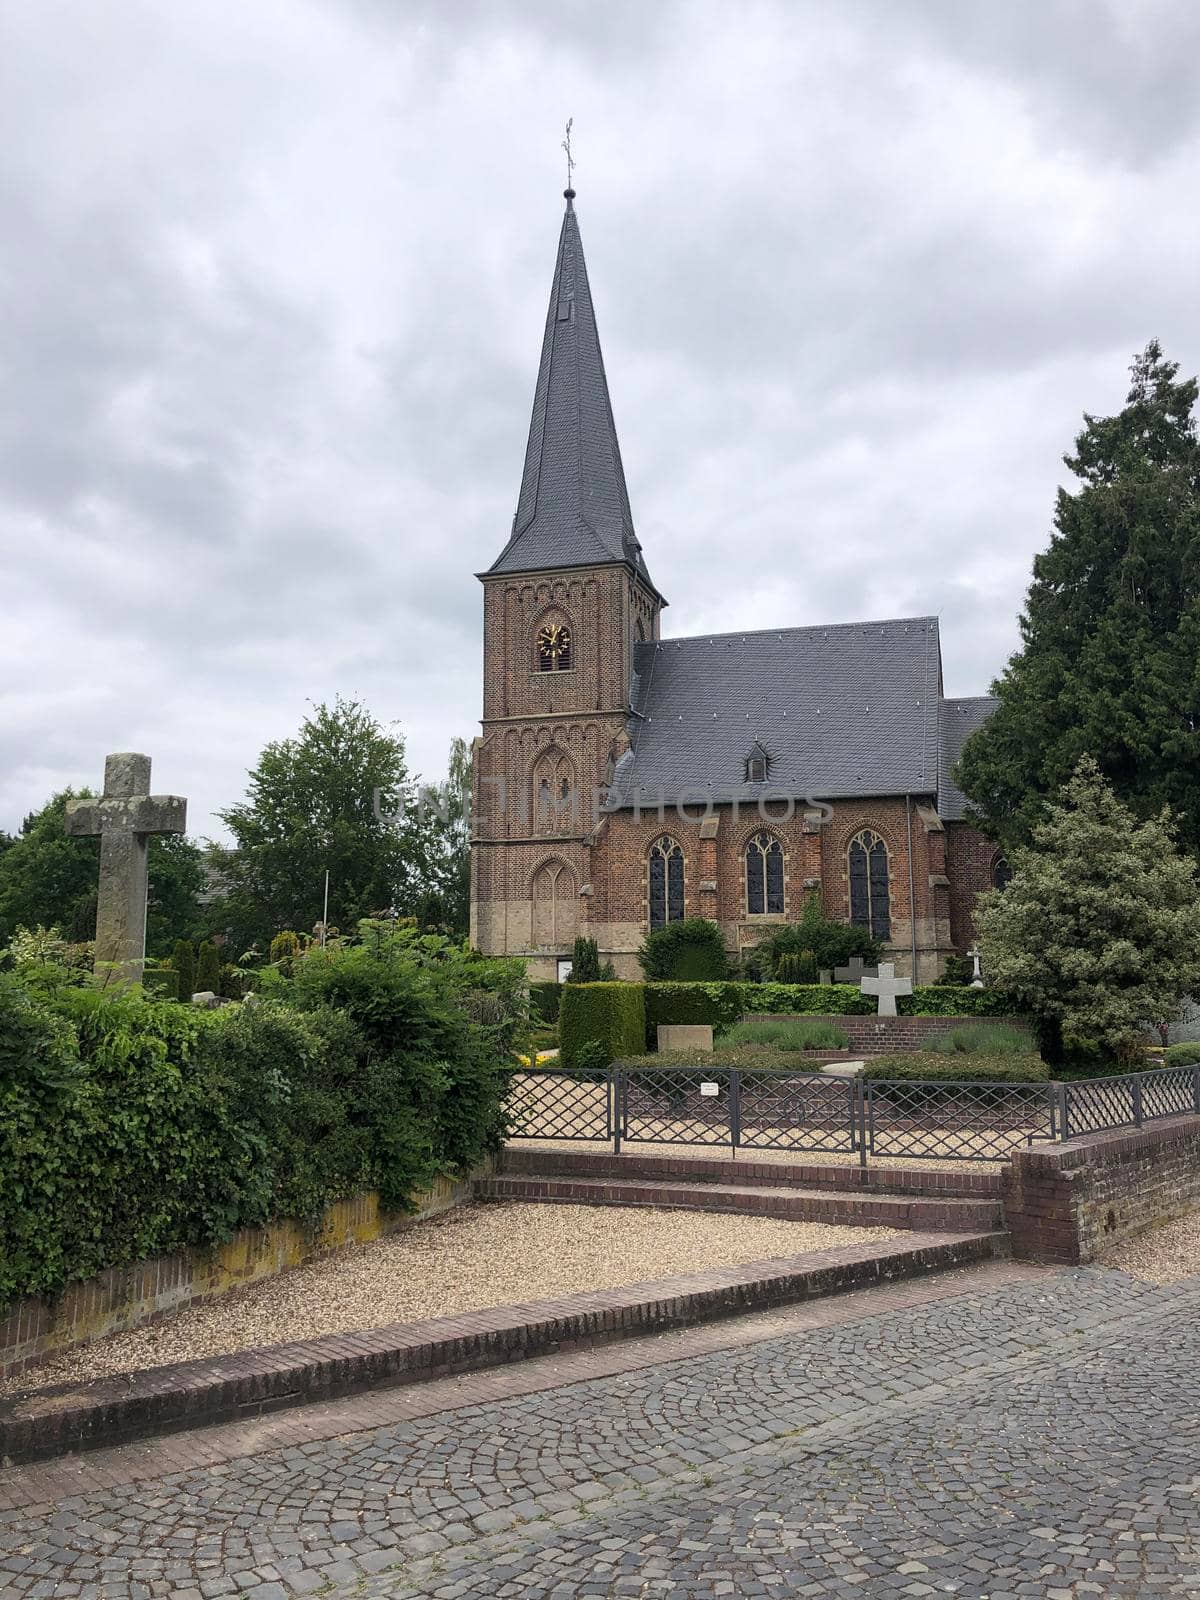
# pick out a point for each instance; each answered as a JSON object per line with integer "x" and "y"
{"x": 166, "y": 1399}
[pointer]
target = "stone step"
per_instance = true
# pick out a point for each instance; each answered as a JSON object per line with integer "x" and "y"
{"x": 957, "y": 1180}
{"x": 917, "y": 1212}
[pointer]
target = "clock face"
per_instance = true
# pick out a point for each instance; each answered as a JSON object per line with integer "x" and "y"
{"x": 554, "y": 646}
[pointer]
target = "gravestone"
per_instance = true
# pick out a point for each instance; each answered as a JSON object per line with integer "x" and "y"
{"x": 124, "y": 816}
{"x": 887, "y": 986}
{"x": 854, "y": 971}
{"x": 976, "y": 954}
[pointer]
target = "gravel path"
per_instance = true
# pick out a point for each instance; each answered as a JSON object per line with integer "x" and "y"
{"x": 468, "y": 1259}
{"x": 1164, "y": 1255}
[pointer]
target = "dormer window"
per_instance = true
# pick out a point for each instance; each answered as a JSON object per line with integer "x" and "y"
{"x": 757, "y": 764}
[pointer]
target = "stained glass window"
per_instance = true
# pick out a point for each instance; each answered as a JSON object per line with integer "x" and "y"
{"x": 870, "y": 903}
{"x": 764, "y": 876}
{"x": 666, "y": 882}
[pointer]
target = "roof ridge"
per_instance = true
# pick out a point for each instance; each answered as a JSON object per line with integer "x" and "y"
{"x": 795, "y": 627}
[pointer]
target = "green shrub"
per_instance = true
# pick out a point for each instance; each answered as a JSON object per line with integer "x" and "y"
{"x": 285, "y": 947}
{"x": 796, "y": 966}
{"x": 802, "y": 1034}
{"x": 980, "y": 1040}
{"x": 691, "y": 951}
{"x": 585, "y": 961}
{"x": 948, "y": 1000}
{"x": 208, "y": 969}
{"x": 545, "y": 997}
{"x": 958, "y": 970}
{"x": 183, "y": 959}
{"x": 809, "y": 999}
{"x": 918, "y": 1067}
{"x": 716, "y": 1063}
{"x": 162, "y": 982}
{"x": 714, "y": 1005}
{"x": 829, "y": 943}
{"x": 612, "y": 1015}
{"x": 1183, "y": 1055}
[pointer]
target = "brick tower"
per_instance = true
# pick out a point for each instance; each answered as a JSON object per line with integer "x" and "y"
{"x": 565, "y": 603}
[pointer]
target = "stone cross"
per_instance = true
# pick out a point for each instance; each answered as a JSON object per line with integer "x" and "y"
{"x": 124, "y": 816}
{"x": 887, "y": 986}
{"x": 977, "y": 977}
{"x": 854, "y": 972}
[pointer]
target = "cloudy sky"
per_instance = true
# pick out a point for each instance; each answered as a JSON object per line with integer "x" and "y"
{"x": 273, "y": 278}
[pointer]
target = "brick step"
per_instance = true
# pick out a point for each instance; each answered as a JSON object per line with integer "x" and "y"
{"x": 250, "y": 1383}
{"x": 942, "y": 1215}
{"x": 943, "y": 1182}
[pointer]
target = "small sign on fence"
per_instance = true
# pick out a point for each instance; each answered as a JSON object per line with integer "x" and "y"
{"x": 710, "y": 1089}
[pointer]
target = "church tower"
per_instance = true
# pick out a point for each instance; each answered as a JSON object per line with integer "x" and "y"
{"x": 565, "y": 603}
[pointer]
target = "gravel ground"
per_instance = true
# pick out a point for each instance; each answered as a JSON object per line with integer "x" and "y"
{"x": 470, "y": 1258}
{"x": 1164, "y": 1255}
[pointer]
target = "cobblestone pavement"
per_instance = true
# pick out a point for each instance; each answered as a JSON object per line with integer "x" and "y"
{"x": 1039, "y": 1438}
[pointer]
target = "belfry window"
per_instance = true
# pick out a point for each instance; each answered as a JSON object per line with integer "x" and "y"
{"x": 665, "y": 882}
{"x": 1001, "y": 873}
{"x": 870, "y": 904}
{"x": 764, "y": 876}
{"x": 554, "y": 647}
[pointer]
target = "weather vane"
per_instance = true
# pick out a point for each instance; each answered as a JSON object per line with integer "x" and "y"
{"x": 566, "y": 144}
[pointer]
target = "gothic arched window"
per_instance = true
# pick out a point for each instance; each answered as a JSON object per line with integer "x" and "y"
{"x": 553, "y": 646}
{"x": 764, "y": 876}
{"x": 870, "y": 904}
{"x": 1001, "y": 873}
{"x": 666, "y": 882}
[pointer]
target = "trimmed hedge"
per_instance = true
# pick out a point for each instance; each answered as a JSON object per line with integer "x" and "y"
{"x": 1183, "y": 1055}
{"x": 611, "y": 1016}
{"x": 930, "y": 1068}
{"x": 845, "y": 1000}
{"x": 713, "y": 1005}
{"x": 682, "y": 952}
{"x": 545, "y": 998}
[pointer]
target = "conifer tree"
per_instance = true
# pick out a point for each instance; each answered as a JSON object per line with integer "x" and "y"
{"x": 208, "y": 968}
{"x": 184, "y": 961}
{"x": 1110, "y": 658}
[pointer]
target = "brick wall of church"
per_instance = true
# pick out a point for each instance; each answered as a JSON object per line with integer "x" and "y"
{"x": 814, "y": 856}
{"x": 970, "y": 858}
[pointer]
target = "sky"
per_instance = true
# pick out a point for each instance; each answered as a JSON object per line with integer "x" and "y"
{"x": 273, "y": 278}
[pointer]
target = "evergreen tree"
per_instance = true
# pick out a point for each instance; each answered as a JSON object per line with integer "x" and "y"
{"x": 1098, "y": 931}
{"x": 208, "y": 968}
{"x": 184, "y": 962}
{"x": 1110, "y": 658}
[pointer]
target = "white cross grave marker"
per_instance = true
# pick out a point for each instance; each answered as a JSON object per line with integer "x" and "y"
{"x": 887, "y": 986}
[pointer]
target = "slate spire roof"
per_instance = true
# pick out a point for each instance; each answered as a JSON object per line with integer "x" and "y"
{"x": 573, "y": 509}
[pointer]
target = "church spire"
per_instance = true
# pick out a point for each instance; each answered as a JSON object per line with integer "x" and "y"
{"x": 573, "y": 508}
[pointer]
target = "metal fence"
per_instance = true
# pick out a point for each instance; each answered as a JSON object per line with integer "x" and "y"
{"x": 739, "y": 1108}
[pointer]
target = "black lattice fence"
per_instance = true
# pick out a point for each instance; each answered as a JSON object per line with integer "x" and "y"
{"x": 774, "y": 1109}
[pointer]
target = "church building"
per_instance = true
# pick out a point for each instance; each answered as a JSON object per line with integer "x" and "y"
{"x": 624, "y": 779}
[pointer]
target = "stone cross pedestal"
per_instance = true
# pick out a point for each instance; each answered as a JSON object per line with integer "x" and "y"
{"x": 887, "y": 986}
{"x": 854, "y": 972}
{"x": 124, "y": 816}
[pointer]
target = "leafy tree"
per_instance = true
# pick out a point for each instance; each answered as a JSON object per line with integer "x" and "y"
{"x": 331, "y": 799}
{"x": 442, "y": 850}
{"x": 1098, "y": 932}
{"x": 47, "y": 878}
{"x": 1110, "y": 657}
{"x": 585, "y": 961}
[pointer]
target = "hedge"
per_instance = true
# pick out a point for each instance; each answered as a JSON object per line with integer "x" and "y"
{"x": 809, "y": 999}
{"x": 132, "y": 1126}
{"x": 931, "y": 1068}
{"x": 1183, "y": 1055}
{"x": 715, "y": 1005}
{"x": 545, "y": 997}
{"x": 609, "y": 1016}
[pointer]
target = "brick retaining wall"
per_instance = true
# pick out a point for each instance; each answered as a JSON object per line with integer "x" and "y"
{"x": 1070, "y": 1203}
{"x": 884, "y": 1035}
{"x": 124, "y": 1297}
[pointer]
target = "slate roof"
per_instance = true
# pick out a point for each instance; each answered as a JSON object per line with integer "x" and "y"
{"x": 959, "y": 718}
{"x": 573, "y": 509}
{"x": 848, "y": 710}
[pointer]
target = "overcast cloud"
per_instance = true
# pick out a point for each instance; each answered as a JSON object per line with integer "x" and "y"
{"x": 273, "y": 280}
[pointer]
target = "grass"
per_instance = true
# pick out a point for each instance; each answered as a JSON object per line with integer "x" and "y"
{"x": 745, "y": 1056}
{"x": 801, "y": 1033}
{"x": 994, "y": 1040}
{"x": 1005, "y": 1067}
